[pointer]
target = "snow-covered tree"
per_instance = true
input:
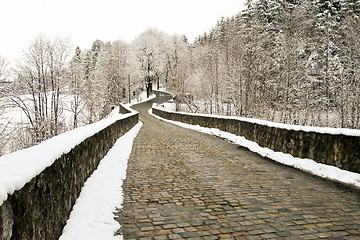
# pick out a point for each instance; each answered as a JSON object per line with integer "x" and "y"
{"x": 149, "y": 52}
{"x": 94, "y": 89}
{"x": 349, "y": 88}
{"x": 287, "y": 61}
{"x": 114, "y": 70}
{"x": 178, "y": 67}
{"x": 76, "y": 85}
{"x": 41, "y": 75}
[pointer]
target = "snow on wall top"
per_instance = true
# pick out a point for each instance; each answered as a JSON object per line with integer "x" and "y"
{"x": 323, "y": 130}
{"x": 18, "y": 168}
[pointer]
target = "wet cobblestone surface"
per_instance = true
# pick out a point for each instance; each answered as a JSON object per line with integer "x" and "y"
{"x": 182, "y": 184}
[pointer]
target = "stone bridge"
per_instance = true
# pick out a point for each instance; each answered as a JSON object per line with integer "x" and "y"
{"x": 183, "y": 184}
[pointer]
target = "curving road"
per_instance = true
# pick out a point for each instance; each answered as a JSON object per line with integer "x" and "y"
{"x": 183, "y": 184}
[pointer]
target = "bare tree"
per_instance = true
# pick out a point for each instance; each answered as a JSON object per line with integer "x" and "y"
{"x": 4, "y": 74}
{"x": 41, "y": 76}
{"x": 5, "y": 134}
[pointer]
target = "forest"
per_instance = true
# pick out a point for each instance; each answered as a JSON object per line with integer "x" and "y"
{"x": 288, "y": 61}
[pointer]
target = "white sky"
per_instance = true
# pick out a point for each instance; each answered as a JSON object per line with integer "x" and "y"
{"x": 84, "y": 21}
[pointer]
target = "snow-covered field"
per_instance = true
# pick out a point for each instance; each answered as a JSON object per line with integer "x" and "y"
{"x": 18, "y": 116}
{"x": 13, "y": 120}
{"x": 307, "y": 165}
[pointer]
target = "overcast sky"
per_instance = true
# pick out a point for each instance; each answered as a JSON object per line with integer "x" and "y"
{"x": 84, "y": 21}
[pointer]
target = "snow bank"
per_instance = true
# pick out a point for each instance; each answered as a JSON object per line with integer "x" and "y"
{"x": 114, "y": 112}
{"x": 18, "y": 168}
{"x": 168, "y": 106}
{"x": 92, "y": 215}
{"x": 323, "y": 130}
{"x": 142, "y": 98}
{"x": 307, "y": 165}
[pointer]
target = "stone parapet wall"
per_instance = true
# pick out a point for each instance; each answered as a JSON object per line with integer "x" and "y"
{"x": 340, "y": 150}
{"x": 124, "y": 109}
{"x": 41, "y": 208}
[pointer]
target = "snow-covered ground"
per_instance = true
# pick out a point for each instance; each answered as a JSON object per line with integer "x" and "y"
{"x": 141, "y": 98}
{"x": 92, "y": 216}
{"x": 307, "y": 165}
{"x": 18, "y": 116}
{"x": 168, "y": 106}
{"x": 13, "y": 120}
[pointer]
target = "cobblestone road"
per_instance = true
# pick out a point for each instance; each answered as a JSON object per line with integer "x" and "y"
{"x": 182, "y": 184}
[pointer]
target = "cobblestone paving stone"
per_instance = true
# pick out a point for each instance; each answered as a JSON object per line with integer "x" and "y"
{"x": 182, "y": 184}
